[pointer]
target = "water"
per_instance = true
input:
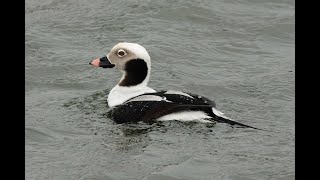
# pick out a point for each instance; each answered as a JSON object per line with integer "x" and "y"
{"x": 238, "y": 53}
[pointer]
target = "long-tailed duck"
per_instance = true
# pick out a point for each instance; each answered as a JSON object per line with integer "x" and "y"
{"x": 131, "y": 100}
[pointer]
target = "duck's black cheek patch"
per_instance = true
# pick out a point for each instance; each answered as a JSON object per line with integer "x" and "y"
{"x": 136, "y": 72}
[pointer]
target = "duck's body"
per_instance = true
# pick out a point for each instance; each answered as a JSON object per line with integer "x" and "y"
{"x": 163, "y": 106}
{"x": 131, "y": 100}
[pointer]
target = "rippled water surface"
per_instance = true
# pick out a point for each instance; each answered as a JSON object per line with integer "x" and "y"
{"x": 238, "y": 53}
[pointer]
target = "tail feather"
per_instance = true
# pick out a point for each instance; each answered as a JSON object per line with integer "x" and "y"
{"x": 219, "y": 117}
{"x": 231, "y": 122}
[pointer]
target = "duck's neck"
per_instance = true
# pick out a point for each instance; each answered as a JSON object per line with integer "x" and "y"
{"x": 133, "y": 82}
{"x": 136, "y": 72}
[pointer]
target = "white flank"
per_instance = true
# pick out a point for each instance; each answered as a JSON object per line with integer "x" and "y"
{"x": 178, "y": 92}
{"x": 185, "y": 116}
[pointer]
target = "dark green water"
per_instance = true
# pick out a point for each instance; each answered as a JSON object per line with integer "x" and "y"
{"x": 238, "y": 53}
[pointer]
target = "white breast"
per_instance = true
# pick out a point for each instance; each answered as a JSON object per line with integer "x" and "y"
{"x": 120, "y": 94}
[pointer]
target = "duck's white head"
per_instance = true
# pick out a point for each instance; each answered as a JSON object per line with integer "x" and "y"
{"x": 134, "y": 62}
{"x": 131, "y": 59}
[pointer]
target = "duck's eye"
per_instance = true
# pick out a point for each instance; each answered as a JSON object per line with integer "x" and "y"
{"x": 121, "y": 53}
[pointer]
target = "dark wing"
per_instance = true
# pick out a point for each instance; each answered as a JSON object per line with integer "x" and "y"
{"x": 147, "y": 111}
{"x": 134, "y": 111}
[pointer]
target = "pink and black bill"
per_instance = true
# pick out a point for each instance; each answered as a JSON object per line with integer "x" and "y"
{"x": 102, "y": 62}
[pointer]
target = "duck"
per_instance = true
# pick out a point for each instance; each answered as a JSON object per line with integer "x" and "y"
{"x": 131, "y": 100}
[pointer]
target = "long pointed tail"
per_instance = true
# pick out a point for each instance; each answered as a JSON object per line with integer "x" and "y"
{"x": 219, "y": 117}
{"x": 231, "y": 122}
